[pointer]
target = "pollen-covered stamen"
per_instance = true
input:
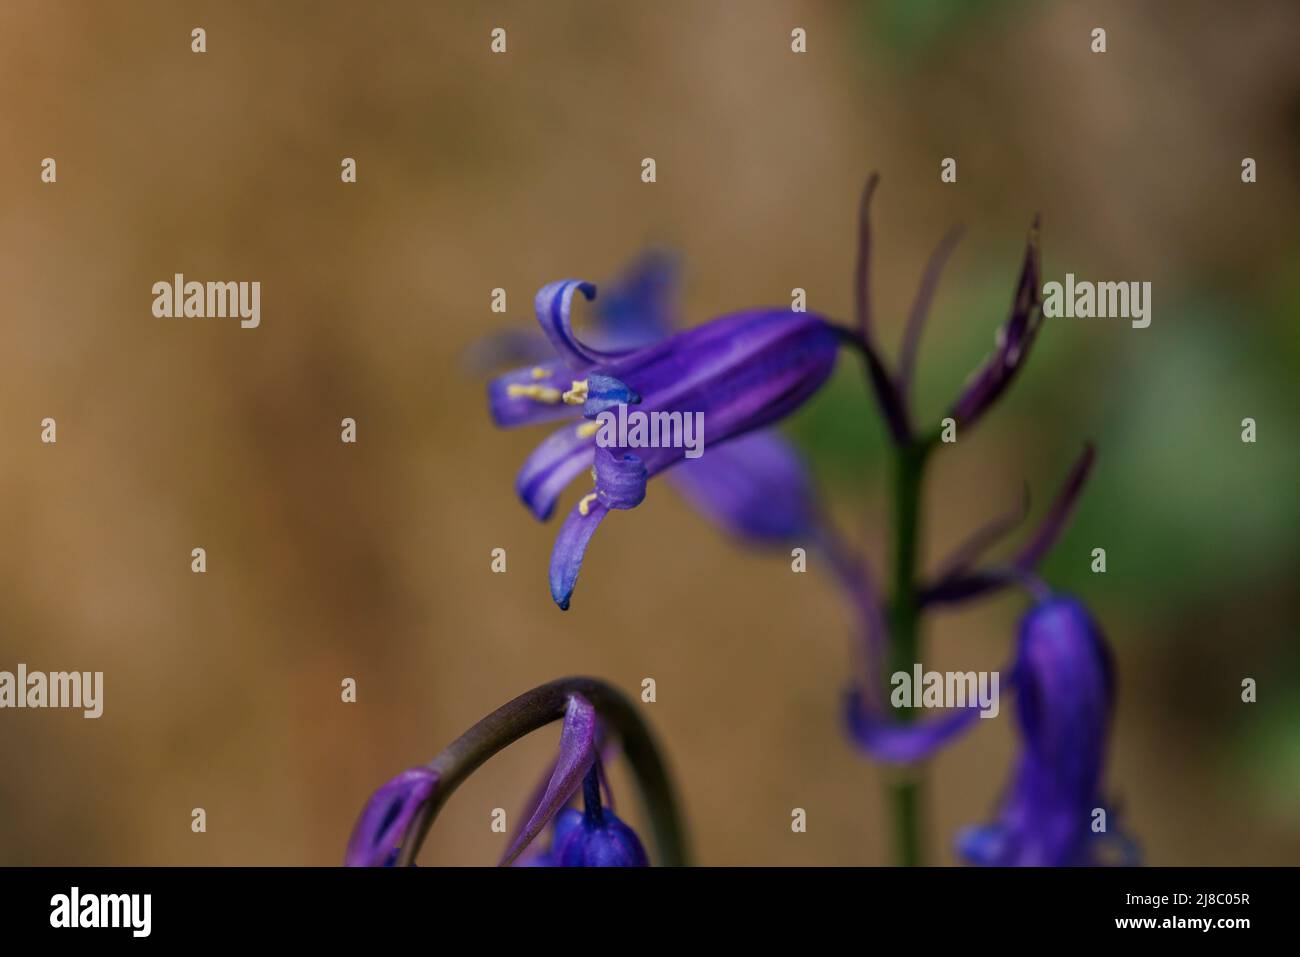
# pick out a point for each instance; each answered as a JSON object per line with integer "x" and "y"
{"x": 587, "y": 429}
{"x": 584, "y": 506}
{"x": 578, "y": 394}
{"x": 539, "y": 373}
{"x": 542, "y": 393}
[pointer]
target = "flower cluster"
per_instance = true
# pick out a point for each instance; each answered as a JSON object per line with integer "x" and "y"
{"x": 744, "y": 372}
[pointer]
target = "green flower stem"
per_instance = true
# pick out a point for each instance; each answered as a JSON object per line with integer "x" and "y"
{"x": 906, "y": 792}
{"x": 536, "y": 709}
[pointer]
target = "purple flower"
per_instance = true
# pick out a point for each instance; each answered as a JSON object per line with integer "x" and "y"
{"x": 1065, "y": 686}
{"x": 736, "y": 374}
{"x": 382, "y": 826}
{"x": 755, "y": 487}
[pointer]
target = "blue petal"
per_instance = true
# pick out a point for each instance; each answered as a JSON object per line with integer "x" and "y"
{"x": 558, "y": 460}
{"x": 638, "y": 307}
{"x": 554, "y": 303}
{"x": 620, "y": 478}
{"x": 570, "y": 547}
{"x": 755, "y": 487}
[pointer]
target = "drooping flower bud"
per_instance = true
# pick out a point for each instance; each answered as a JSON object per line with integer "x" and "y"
{"x": 1065, "y": 696}
{"x": 595, "y": 836}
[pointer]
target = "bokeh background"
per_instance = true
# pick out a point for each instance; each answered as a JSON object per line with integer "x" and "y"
{"x": 479, "y": 171}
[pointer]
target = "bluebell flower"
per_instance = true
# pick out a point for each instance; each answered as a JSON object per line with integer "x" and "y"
{"x": 755, "y": 487}
{"x": 740, "y": 372}
{"x": 1065, "y": 688}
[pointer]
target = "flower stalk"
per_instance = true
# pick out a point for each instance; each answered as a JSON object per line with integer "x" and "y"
{"x": 906, "y": 790}
{"x": 533, "y": 710}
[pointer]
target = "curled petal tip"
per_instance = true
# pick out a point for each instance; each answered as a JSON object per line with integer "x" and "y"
{"x": 571, "y": 548}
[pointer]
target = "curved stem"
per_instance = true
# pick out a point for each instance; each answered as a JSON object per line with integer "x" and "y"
{"x": 533, "y": 710}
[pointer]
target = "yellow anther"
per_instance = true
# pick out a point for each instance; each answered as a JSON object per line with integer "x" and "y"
{"x": 584, "y": 506}
{"x": 542, "y": 393}
{"x": 578, "y": 394}
{"x": 588, "y": 429}
{"x": 539, "y": 372}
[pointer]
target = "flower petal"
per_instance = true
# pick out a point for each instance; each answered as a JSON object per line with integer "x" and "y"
{"x": 554, "y": 305}
{"x": 531, "y": 394}
{"x": 571, "y": 547}
{"x": 577, "y": 755}
{"x": 739, "y": 372}
{"x": 898, "y": 742}
{"x": 638, "y": 307}
{"x": 755, "y": 487}
{"x": 384, "y": 820}
{"x": 620, "y": 478}
{"x": 560, "y": 458}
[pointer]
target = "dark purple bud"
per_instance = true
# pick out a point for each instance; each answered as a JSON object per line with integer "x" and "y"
{"x": 594, "y": 836}
{"x": 1014, "y": 340}
{"x": 382, "y": 826}
{"x": 1064, "y": 681}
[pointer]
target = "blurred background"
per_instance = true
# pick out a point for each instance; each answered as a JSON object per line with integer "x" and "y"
{"x": 478, "y": 171}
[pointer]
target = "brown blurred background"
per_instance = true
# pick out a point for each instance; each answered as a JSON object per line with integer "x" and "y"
{"x": 476, "y": 171}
